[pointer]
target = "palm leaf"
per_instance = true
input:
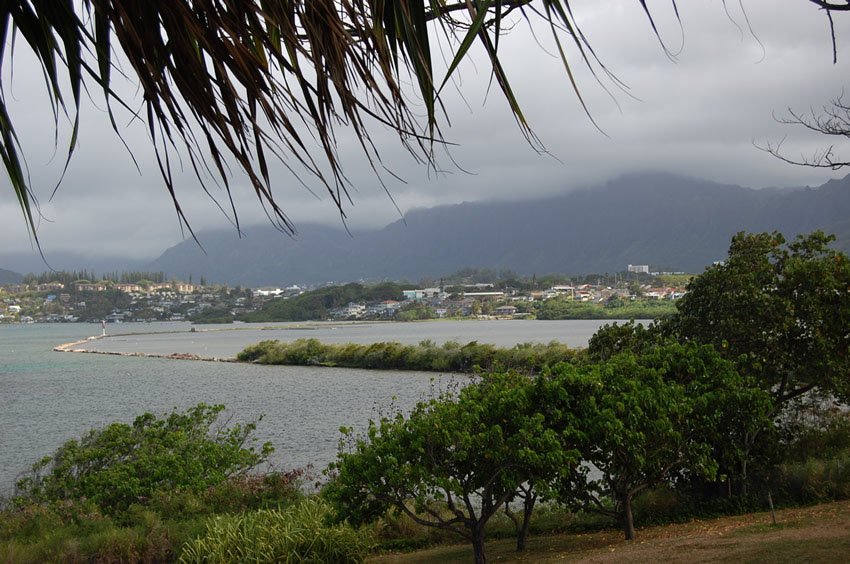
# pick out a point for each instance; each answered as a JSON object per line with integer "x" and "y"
{"x": 228, "y": 85}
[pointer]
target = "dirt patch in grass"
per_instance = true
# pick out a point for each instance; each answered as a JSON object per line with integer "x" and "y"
{"x": 819, "y": 533}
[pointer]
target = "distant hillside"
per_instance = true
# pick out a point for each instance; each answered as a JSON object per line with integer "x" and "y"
{"x": 668, "y": 222}
{"x": 9, "y": 277}
{"x": 32, "y": 262}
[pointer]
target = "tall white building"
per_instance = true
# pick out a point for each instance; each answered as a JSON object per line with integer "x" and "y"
{"x": 639, "y": 268}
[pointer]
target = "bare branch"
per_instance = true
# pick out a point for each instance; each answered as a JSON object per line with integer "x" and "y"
{"x": 832, "y": 120}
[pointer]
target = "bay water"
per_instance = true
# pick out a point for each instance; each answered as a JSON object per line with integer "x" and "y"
{"x": 48, "y": 397}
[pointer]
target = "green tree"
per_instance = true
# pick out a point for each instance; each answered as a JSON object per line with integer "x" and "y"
{"x": 613, "y": 339}
{"x": 453, "y": 463}
{"x": 646, "y": 418}
{"x": 123, "y": 464}
{"x": 414, "y": 312}
{"x": 779, "y": 311}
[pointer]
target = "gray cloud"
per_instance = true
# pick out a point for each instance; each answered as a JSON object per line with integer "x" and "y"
{"x": 698, "y": 116}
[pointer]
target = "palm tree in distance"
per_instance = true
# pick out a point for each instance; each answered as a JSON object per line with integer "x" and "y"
{"x": 233, "y": 83}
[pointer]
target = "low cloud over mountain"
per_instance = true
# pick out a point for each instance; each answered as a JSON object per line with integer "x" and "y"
{"x": 669, "y": 222}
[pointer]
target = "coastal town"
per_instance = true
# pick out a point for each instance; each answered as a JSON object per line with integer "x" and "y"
{"x": 509, "y": 298}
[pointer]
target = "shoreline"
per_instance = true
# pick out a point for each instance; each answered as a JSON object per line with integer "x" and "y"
{"x": 66, "y": 347}
{"x": 70, "y": 348}
{"x": 192, "y": 351}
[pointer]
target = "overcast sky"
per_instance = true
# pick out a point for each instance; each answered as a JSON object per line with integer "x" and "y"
{"x": 698, "y": 115}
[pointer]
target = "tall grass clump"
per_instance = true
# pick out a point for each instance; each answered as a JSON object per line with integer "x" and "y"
{"x": 74, "y": 532}
{"x": 815, "y": 480}
{"x": 425, "y": 356}
{"x": 296, "y": 534}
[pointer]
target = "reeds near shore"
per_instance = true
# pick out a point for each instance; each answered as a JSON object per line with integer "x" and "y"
{"x": 425, "y": 356}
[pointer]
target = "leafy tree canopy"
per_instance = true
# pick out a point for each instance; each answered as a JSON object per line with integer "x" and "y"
{"x": 122, "y": 464}
{"x": 672, "y": 410}
{"x": 453, "y": 463}
{"x": 780, "y": 310}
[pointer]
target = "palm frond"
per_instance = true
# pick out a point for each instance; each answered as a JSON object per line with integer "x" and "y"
{"x": 233, "y": 83}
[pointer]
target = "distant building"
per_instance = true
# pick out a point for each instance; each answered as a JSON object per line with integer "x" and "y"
{"x": 386, "y": 308}
{"x": 505, "y": 310}
{"x": 267, "y": 291}
{"x": 639, "y": 268}
{"x": 128, "y": 288}
{"x": 351, "y": 310}
{"x": 183, "y": 288}
{"x": 90, "y": 287}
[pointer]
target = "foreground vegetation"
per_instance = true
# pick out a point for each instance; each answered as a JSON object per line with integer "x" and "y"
{"x": 179, "y": 487}
{"x": 733, "y": 404}
{"x": 243, "y": 513}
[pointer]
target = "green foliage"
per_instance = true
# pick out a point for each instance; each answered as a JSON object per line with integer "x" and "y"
{"x": 415, "y": 312}
{"x": 611, "y": 340}
{"x": 77, "y": 532}
{"x": 815, "y": 430}
{"x": 564, "y": 308}
{"x": 120, "y": 464}
{"x": 296, "y": 534}
{"x": 814, "y": 479}
{"x": 101, "y": 304}
{"x": 213, "y": 315}
{"x": 675, "y": 280}
{"x": 244, "y": 492}
{"x": 318, "y": 303}
{"x": 454, "y": 462}
{"x": 779, "y": 311}
{"x": 68, "y": 278}
{"x": 673, "y": 410}
{"x": 450, "y": 357}
{"x": 64, "y": 277}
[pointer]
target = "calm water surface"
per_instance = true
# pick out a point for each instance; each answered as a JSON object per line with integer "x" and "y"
{"x": 48, "y": 397}
{"x": 226, "y": 340}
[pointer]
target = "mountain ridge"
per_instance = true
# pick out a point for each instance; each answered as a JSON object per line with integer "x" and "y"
{"x": 9, "y": 277}
{"x": 670, "y": 222}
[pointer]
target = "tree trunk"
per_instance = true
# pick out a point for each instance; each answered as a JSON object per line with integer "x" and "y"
{"x": 628, "y": 519}
{"x": 478, "y": 544}
{"x": 528, "y": 508}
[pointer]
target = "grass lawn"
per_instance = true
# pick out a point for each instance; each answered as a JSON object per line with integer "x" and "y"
{"x": 819, "y": 533}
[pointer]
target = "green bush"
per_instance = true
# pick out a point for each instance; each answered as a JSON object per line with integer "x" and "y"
{"x": 296, "y": 534}
{"x": 255, "y": 491}
{"x": 815, "y": 430}
{"x": 563, "y": 308}
{"x": 814, "y": 480}
{"x": 255, "y": 352}
{"x": 121, "y": 465}
{"x": 426, "y": 356}
{"x": 75, "y": 532}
